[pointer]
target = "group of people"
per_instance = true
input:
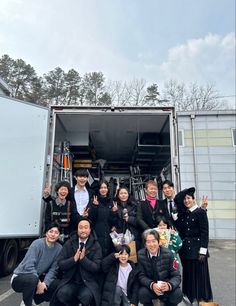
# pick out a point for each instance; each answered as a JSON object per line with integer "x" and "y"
{"x": 86, "y": 268}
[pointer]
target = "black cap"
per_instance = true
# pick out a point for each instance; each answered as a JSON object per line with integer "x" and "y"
{"x": 190, "y": 191}
{"x": 179, "y": 198}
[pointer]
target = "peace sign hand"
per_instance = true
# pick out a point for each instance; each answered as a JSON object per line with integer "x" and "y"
{"x": 46, "y": 191}
{"x": 204, "y": 202}
{"x": 114, "y": 207}
{"x": 95, "y": 200}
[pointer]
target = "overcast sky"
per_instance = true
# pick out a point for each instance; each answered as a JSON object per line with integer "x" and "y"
{"x": 156, "y": 40}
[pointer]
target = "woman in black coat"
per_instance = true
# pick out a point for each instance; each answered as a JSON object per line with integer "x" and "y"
{"x": 113, "y": 294}
{"x": 100, "y": 216}
{"x": 194, "y": 230}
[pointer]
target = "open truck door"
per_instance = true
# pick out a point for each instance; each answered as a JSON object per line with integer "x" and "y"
{"x": 23, "y": 148}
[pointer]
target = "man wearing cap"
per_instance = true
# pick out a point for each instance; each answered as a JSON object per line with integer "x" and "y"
{"x": 79, "y": 261}
{"x": 35, "y": 274}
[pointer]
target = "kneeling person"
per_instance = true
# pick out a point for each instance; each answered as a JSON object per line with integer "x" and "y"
{"x": 158, "y": 277}
{"x": 35, "y": 274}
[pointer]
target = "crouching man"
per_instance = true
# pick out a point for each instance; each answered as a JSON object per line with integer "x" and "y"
{"x": 79, "y": 261}
{"x": 35, "y": 274}
{"x": 158, "y": 277}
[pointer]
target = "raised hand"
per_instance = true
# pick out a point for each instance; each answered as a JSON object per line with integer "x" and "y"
{"x": 95, "y": 200}
{"x": 47, "y": 191}
{"x": 117, "y": 255}
{"x": 114, "y": 207}
{"x": 204, "y": 202}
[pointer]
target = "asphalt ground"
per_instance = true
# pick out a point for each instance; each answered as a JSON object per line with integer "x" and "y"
{"x": 222, "y": 271}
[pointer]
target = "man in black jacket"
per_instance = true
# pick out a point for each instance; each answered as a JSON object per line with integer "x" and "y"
{"x": 81, "y": 194}
{"x": 158, "y": 277}
{"x": 150, "y": 209}
{"x": 79, "y": 261}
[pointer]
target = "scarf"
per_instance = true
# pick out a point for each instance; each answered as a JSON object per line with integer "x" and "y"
{"x": 151, "y": 200}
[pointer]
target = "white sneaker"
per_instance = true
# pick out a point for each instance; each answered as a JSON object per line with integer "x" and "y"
{"x": 33, "y": 304}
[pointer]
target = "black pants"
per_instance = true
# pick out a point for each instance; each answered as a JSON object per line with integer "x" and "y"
{"x": 27, "y": 284}
{"x": 72, "y": 293}
{"x": 170, "y": 298}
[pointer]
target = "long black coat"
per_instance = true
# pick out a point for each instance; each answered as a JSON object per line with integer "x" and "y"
{"x": 194, "y": 230}
{"x": 147, "y": 215}
{"x": 165, "y": 268}
{"x": 110, "y": 266}
{"x": 100, "y": 215}
{"x": 89, "y": 266}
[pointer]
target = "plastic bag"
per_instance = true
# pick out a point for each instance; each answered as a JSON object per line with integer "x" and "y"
{"x": 120, "y": 239}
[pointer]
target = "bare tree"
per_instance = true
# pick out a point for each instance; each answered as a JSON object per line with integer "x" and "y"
{"x": 133, "y": 93}
{"x": 119, "y": 92}
{"x": 192, "y": 97}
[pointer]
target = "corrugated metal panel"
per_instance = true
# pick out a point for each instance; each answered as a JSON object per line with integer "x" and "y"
{"x": 215, "y": 166}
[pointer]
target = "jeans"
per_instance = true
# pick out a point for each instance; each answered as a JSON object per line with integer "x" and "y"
{"x": 120, "y": 298}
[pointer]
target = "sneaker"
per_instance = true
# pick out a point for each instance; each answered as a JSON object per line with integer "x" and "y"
{"x": 33, "y": 304}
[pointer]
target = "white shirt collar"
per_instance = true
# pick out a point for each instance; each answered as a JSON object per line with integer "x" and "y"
{"x": 193, "y": 208}
{"x": 83, "y": 241}
{"x": 76, "y": 189}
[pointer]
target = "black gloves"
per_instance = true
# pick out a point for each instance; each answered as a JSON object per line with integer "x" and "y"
{"x": 201, "y": 258}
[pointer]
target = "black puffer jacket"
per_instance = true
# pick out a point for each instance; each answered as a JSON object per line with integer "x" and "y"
{"x": 165, "y": 269}
{"x": 110, "y": 265}
{"x": 89, "y": 266}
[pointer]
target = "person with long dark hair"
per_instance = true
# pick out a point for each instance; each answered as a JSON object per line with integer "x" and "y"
{"x": 99, "y": 214}
{"x": 194, "y": 231}
{"x": 124, "y": 213}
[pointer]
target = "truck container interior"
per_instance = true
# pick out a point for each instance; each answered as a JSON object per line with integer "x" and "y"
{"x": 130, "y": 147}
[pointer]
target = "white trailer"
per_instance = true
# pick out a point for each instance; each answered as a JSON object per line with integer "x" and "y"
{"x": 23, "y": 143}
{"x": 125, "y": 143}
